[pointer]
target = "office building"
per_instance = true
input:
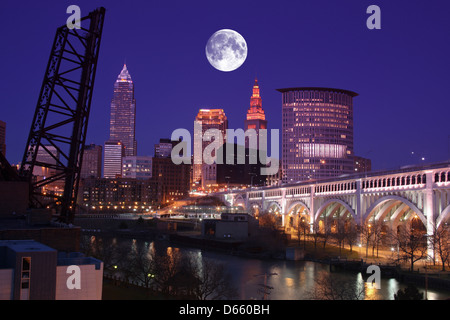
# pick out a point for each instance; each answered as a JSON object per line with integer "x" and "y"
{"x": 317, "y": 133}
{"x": 208, "y": 119}
{"x": 118, "y": 194}
{"x": 112, "y": 160}
{"x": 92, "y": 162}
{"x": 362, "y": 164}
{"x": 123, "y": 113}
{"x": 137, "y": 167}
{"x": 170, "y": 181}
{"x": 163, "y": 149}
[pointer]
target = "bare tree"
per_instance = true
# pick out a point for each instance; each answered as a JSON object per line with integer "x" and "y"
{"x": 377, "y": 234}
{"x": 412, "y": 244}
{"x": 315, "y": 232}
{"x": 366, "y": 235}
{"x": 325, "y": 232}
{"x": 340, "y": 233}
{"x": 329, "y": 287}
{"x": 105, "y": 249}
{"x": 440, "y": 241}
{"x": 140, "y": 264}
{"x": 302, "y": 229}
{"x": 269, "y": 221}
{"x": 165, "y": 269}
{"x": 351, "y": 234}
{"x": 213, "y": 282}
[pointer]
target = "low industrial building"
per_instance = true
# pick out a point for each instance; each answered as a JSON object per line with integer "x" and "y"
{"x": 30, "y": 270}
{"x": 233, "y": 226}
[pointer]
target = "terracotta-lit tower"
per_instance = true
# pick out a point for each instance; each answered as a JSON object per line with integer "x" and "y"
{"x": 256, "y": 118}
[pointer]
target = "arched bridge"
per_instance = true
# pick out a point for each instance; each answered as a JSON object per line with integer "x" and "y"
{"x": 398, "y": 195}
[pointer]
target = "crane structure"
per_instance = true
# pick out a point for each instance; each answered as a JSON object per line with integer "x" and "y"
{"x": 59, "y": 126}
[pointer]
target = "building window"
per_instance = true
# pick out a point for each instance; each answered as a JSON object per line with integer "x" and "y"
{"x": 25, "y": 278}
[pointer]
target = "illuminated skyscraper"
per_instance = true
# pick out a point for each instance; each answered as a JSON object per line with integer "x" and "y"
{"x": 123, "y": 113}
{"x": 210, "y": 119}
{"x": 256, "y": 118}
{"x": 317, "y": 136}
{"x": 113, "y": 159}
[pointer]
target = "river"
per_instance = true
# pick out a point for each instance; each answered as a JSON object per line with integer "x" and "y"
{"x": 291, "y": 280}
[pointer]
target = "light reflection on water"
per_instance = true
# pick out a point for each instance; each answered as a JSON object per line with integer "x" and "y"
{"x": 292, "y": 280}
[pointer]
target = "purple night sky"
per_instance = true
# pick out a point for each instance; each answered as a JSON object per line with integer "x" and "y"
{"x": 401, "y": 72}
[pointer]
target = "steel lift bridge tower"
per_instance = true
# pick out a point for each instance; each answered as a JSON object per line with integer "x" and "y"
{"x": 61, "y": 117}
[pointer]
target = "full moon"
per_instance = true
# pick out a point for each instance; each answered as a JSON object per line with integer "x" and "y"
{"x": 226, "y": 50}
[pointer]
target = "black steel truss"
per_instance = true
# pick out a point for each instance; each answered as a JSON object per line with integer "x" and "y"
{"x": 61, "y": 117}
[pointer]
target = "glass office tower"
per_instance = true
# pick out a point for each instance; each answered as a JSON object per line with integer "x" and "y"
{"x": 317, "y": 133}
{"x": 123, "y": 113}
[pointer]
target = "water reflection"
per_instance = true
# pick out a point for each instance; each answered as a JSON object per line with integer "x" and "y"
{"x": 290, "y": 280}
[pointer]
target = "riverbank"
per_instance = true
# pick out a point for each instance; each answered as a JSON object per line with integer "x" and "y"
{"x": 350, "y": 260}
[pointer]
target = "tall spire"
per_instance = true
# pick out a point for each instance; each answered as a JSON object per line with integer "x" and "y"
{"x": 124, "y": 75}
{"x": 255, "y": 111}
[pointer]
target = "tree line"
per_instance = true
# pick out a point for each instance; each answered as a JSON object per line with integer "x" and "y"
{"x": 408, "y": 242}
{"x": 165, "y": 271}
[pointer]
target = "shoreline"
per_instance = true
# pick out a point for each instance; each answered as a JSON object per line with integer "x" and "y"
{"x": 234, "y": 248}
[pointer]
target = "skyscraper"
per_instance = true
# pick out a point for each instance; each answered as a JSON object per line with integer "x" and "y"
{"x": 209, "y": 119}
{"x": 256, "y": 118}
{"x": 317, "y": 133}
{"x": 113, "y": 159}
{"x": 92, "y": 161}
{"x": 123, "y": 113}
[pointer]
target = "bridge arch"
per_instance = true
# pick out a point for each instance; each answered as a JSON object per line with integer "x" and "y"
{"x": 443, "y": 216}
{"x": 297, "y": 203}
{"x": 330, "y": 201}
{"x": 371, "y": 210}
{"x": 294, "y": 216}
{"x": 239, "y": 201}
{"x": 272, "y": 204}
{"x": 254, "y": 209}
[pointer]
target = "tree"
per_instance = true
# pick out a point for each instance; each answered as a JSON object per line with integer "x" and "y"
{"x": 268, "y": 221}
{"x": 315, "y": 232}
{"x": 140, "y": 264}
{"x": 377, "y": 234}
{"x": 340, "y": 233}
{"x": 325, "y": 231}
{"x": 408, "y": 293}
{"x": 412, "y": 244}
{"x": 366, "y": 235}
{"x": 302, "y": 229}
{"x": 213, "y": 282}
{"x": 351, "y": 233}
{"x": 106, "y": 250}
{"x": 329, "y": 287}
{"x": 440, "y": 241}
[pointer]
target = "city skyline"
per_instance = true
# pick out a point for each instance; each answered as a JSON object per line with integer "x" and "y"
{"x": 398, "y": 71}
